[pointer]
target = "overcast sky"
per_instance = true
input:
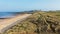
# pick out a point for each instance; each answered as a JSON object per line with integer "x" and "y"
{"x": 23, "y": 5}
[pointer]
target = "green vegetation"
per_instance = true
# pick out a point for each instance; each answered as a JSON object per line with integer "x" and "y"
{"x": 38, "y": 23}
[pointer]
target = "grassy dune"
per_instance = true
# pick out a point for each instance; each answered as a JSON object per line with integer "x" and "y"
{"x": 38, "y": 23}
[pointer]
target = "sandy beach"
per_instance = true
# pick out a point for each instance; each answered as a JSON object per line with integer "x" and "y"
{"x": 7, "y": 23}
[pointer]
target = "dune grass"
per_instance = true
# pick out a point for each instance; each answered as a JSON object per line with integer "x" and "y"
{"x": 38, "y": 23}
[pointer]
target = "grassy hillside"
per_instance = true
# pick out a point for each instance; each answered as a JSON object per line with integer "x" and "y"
{"x": 38, "y": 23}
{"x": 56, "y": 13}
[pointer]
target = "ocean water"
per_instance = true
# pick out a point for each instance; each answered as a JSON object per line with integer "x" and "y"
{"x": 7, "y": 14}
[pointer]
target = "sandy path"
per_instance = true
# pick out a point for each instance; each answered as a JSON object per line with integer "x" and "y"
{"x": 7, "y": 23}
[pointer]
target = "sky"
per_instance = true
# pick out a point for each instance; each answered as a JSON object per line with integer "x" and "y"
{"x": 25, "y": 5}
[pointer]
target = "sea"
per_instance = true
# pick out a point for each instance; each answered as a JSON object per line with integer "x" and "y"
{"x": 7, "y": 14}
